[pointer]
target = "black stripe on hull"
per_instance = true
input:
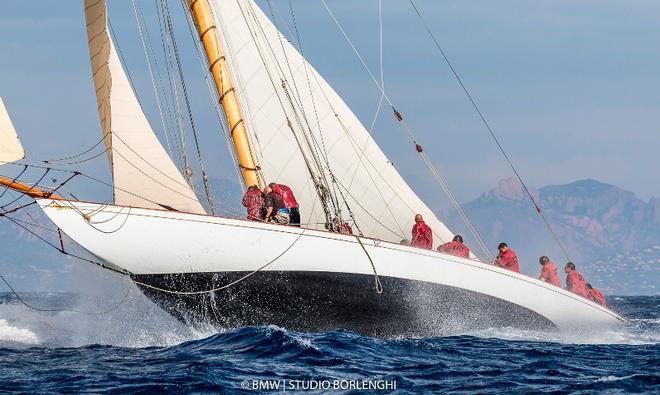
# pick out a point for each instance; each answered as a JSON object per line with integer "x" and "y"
{"x": 321, "y": 301}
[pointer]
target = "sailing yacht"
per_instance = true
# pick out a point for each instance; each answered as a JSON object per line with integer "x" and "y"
{"x": 287, "y": 125}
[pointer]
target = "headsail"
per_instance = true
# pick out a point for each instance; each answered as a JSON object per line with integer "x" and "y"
{"x": 143, "y": 174}
{"x": 277, "y": 85}
{"x": 10, "y": 146}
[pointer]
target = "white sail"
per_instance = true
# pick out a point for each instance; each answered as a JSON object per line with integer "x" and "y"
{"x": 260, "y": 58}
{"x": 10, "y": 146}
{"x": 143, "y": 174}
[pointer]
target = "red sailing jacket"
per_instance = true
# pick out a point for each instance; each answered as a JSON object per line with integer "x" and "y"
{"x": 508, "y": 260}
{"x": 422, "y": 236}
{"x": 549, "y": 274}
{"x": 253, "y": 200}
{"x": 287, "y": 195}
{"x": 576, "y": 284}
{"x": 597, "y": 296}
{"x": 455, "y": 248}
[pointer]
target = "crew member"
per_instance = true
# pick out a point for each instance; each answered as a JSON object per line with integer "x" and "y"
{"x": 343, "y": 228}
{"x": 422, "y": 235}
{"x": 574, "y": 281}
{"x": 253, "y": 201}
{"x": 549, "y": 272}
{"x": 507, "y": 258}
{"x": 289, "y": 202}
{"x": 455, "y": 247}
{"x": 276, "y": 210}
{"x": 596, "y": 295}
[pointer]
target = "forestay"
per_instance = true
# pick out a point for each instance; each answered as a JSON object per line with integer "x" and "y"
{"x": 143, "y": 174}
{"x": 272, "y": 81}
{"x": 10, "y": 146}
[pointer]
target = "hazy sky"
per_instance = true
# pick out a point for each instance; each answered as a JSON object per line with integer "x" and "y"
{"x": 571, "y": 88}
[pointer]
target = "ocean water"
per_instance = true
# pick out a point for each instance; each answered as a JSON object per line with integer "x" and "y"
{"x": 139, "y": 348}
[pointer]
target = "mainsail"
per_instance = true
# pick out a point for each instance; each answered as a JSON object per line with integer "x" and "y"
{"x": 286, "y": 102}
{"x": 143, "y": 174}
{"x": 10, "y": 146}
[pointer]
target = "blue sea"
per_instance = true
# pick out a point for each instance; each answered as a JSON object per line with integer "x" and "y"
{"x": 139, "y": 348}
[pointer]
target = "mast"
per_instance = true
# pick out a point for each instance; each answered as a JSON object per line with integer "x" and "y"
{"x": 201, "y": 13}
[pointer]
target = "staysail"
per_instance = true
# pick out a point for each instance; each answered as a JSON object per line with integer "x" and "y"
{"x": 10, "y": 146}
{"x": 143, "y": 174}
{"x": 283, "y": 99}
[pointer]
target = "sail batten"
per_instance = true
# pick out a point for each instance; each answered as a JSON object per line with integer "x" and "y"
{"x": 265, "y": 65}
{"x": 143, "y": 173}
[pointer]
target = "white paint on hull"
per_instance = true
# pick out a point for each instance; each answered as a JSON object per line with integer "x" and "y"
{"x": 147, "y": 241}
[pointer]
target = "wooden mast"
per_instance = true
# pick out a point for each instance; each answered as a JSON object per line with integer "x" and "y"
{"x": 203, "y": 18}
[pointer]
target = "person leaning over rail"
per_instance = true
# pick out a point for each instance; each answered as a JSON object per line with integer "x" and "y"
{"x": 507, "y": 258}
{"x": 289, "y": 200}
{"x": 574, "y": 281}
{"x": 455, "y": 247}
{"x": 276, "y": 211}
{"x": 422, "y": 235}
{"x": 549, "y": 272}
{"x": 596, "y": 295}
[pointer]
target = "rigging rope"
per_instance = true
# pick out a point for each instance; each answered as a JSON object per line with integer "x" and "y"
{"x": 202, "y": 61}
{"x": 170, "y": 31}
{"x": 490, "y": 129}
{"x": 42, "y": 309}
{"x": 49, "y": 161}
{"x": 23, "y": 193}
{"x": 139, "y": 19}
{"x": 14, "y": 180}
{"x": 17, "y": 222}
{"x": 407, "y": 129}
{"x": 316, "y": 173}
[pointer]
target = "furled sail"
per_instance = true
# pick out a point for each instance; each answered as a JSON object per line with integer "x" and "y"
{"x": 10, "y": 146}
{"x": 143, "y": 174}
{"x": 278, "y": 88}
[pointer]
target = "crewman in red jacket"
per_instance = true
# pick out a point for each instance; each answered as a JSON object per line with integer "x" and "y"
{"x": 549, "y": 272}
{"x": 289, "y": 202}
{"x": 455, "y": 247}
{"x": 596, "y": 295}
{"x": 507, "y": 258}
{"x": 253, "y": 201}
{"x": 422, "y": 235}
{"x": 574, "y": 281}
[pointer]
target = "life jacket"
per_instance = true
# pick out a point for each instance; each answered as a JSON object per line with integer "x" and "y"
{"x": 253, "y": 200}
{"x": 422, "y": 236}
{"x": 597, "y": 296}
{"x": 576, "y": 284}
{"x": 455, "y": 248}
{"x": 287, "y": 195}
{"x": 549, "y": 274}
{"x": 508, "y": 260}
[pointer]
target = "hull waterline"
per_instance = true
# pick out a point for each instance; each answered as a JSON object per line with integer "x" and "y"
{"x": 322, "y": 301}
{"x": 311, "y": 280}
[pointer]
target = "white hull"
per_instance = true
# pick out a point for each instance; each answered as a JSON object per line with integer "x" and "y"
{"x": 148, "y": 242}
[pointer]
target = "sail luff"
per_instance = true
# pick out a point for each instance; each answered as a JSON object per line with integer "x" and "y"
{"x": 143, "y": 173}
{"x": 203, "y": 18}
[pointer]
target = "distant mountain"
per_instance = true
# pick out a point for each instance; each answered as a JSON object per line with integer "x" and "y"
{"x": 613, "y": 236}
